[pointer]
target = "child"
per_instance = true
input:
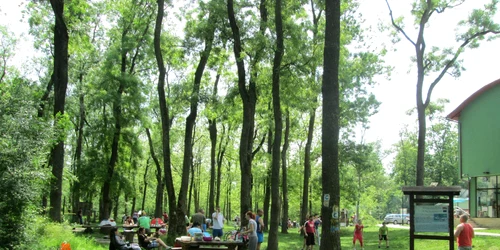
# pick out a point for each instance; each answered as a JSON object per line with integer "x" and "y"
{"x": 383, "y": 233}
{"x": 358, "y": 234}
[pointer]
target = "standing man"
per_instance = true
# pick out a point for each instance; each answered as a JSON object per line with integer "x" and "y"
{"x": 199, "y": 218}
{"x": 464, "y": 234}
{"x": 218, "y": 223}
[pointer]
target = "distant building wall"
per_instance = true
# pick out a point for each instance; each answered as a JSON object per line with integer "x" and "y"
{"x": 480, "y": 135}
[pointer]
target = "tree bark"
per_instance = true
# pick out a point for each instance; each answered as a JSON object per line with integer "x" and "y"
{"x": 278, "y": 127}
{"x": 307, "y": 166}
{"x": 220, "y": 158}
{"x": 145, "y": 181}
{"x": 159, "y": 184}
{"x": 284, "y": 178}
{"x": 212, "y": 129}
{"x": 249, "y": 100}
{"x": 78, "y": 151}
{"x": 330, "y": 128}
{"x": 267, "y": 196}
{"x": 165, "y": 124}
{"x": 190, "y": 122}
{"x": 61, "y": 39}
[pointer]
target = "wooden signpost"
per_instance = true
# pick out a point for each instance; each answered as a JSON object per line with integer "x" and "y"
{"x": 431, "y": 210}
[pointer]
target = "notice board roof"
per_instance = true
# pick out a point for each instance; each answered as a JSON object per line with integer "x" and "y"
{"x": 455, "y": 190}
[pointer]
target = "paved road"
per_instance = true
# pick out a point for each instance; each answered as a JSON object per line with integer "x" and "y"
{"x": 476, "y": 233}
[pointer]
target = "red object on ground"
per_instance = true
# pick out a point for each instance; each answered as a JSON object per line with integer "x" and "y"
{"x": 65, "y": 246}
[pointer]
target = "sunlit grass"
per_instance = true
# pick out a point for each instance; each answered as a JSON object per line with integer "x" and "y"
{"x": 51, "y": 235}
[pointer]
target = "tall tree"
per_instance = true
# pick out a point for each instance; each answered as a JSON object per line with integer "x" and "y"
{"x": 278, "y": 127}
{"x": 440, "y": 61}
{"x": 284, "y": 174}
{"x": 165, "y": 121}
{"x": 208, "y": 39}
{"x": 312, "y": 117}
{"x": 60, "y": 74}
{"x": 330, "y": 128}
{"x": 249, "y": 99}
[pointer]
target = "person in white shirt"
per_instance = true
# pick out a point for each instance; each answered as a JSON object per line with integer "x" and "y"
{"x": 218, "y": 223}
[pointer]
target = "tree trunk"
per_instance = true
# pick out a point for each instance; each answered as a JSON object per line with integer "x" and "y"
{"x": 78, "y": 151}
{"x": 61, "y": 39}
{"x": 145, "y": 181}
{"x": 159, "y": 184}
{"x": 190, "y": 122}
{"x": 165, "y": 124}
{"x": 191, "y": 185}
{"x": 330, "y": 128}
{"x": 307, "y": 166}
{"x": 212, "y": 129}
{"x": 284, "y": 182}
{"x": 220, "y": 157}
{"x": 267, "y": 196}
{"x": 422, "y": 130}
{"x": 278, "y": 127}
{"x": 249, "y": 100}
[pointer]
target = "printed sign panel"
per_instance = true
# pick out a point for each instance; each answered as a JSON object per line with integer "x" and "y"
{"x": 431, "y": 218}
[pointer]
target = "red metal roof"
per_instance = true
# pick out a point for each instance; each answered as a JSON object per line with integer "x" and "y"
{"x": 455, "y": 114}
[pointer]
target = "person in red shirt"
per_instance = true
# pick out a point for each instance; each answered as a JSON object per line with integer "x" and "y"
{"x": 165, "y": 217}
{"x": 358, "y": 235}
{"x": 309, "y": 232}
{"x": 464, "y": 234}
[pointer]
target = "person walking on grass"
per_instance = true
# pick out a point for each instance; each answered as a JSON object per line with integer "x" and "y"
{"x": 464, "y": 234}
{"x": 383, "y": 234}
{"x": 309, "y": 233}
{"x": 358, "y": 235}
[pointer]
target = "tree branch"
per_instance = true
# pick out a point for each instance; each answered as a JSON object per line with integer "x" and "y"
{"x": 397, "y": 26}
{"x": 259, "y": 146}
{"x": 450, "y": 63}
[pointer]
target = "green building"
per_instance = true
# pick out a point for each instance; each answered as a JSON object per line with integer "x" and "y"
{"x": 478, "y": 118}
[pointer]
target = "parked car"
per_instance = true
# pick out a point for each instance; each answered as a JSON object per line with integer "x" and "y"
{"x": 397, "y": 218}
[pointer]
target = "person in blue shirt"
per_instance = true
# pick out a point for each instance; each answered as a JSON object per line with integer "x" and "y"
{"x": 195, "y": 228}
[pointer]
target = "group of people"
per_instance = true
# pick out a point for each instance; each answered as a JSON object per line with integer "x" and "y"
{"x": 145, "y": 241}
{"x": 254, "y": 230}
{"x": 463, "y": 234}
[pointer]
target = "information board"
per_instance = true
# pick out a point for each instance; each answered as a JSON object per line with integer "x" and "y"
{"x": 431, "y": 218}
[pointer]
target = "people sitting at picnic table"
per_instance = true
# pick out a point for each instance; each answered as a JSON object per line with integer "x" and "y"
{"x": 129, "y": 221}
{"x": 149, "y": 242}
{"x": 195, "y": 228}
{"x": 145, "y": 222}
{"x": 116, "y": 242}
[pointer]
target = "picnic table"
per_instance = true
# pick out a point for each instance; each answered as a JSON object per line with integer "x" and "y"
{"x": 231, "y": 245}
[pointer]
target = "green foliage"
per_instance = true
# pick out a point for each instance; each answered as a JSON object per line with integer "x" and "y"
{"x": 24, "y": 142}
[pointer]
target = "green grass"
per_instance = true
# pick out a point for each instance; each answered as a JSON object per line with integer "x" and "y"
{"x": 495, "y": 231}
{"x": 398, "y": 239}
{"x": 53, "y": 235}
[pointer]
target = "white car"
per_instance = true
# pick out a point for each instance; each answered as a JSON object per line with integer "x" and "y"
{"x": 397, "y": 218}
